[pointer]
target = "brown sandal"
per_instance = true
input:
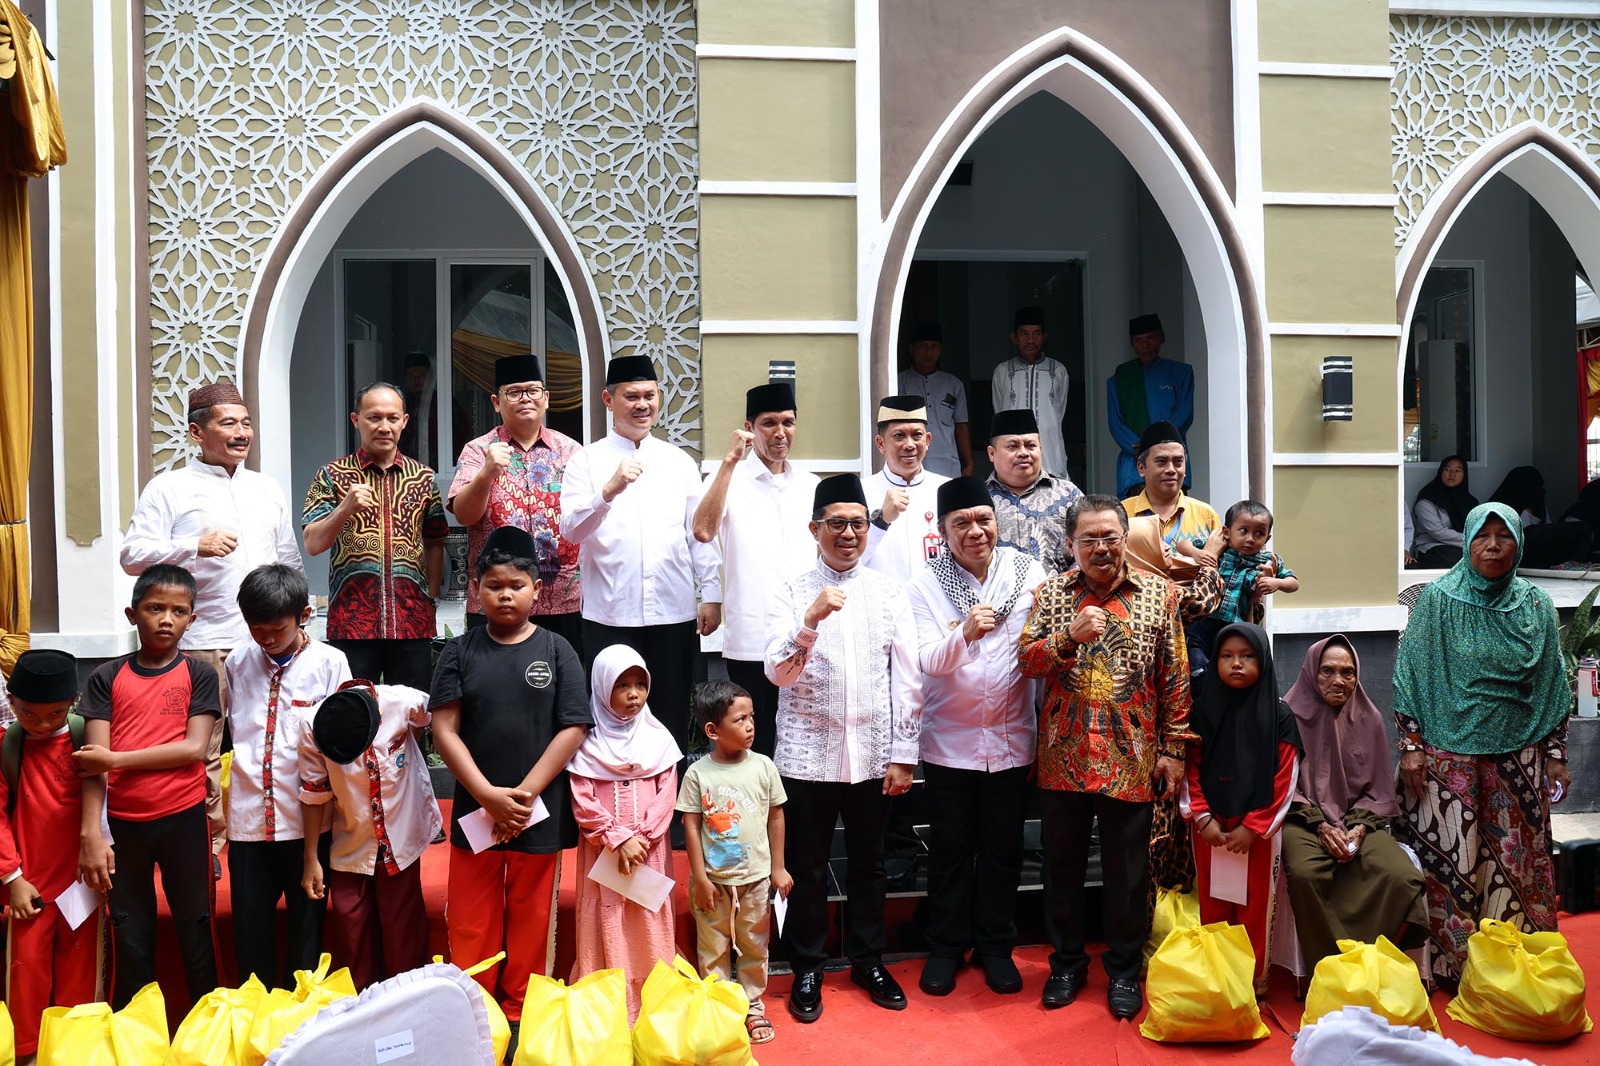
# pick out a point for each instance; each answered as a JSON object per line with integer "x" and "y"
{"x": 760, "y": 1030}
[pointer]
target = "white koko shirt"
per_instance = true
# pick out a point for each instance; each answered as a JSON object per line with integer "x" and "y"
{"x": 384, "y": 810}
{"x": 765, "y": 534}
{"x": 851, "y": 693}
{"x": 1042, "y": 387}
{"x": 638, "y": 558}
{"x": 179, "y": 507}
{"x": 902, "y": 551}
{"x": 979, "y": 712}
{"x": 266, "y": 721}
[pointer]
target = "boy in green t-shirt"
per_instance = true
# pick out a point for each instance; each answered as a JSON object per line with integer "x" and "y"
{"x": 732, "y": 804}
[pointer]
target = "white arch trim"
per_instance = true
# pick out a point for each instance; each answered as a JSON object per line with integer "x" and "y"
{"x": 1151, "y": 154}
{"x": 285, "y": 291}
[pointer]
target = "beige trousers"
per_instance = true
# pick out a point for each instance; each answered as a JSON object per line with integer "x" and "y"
{"x": 216, "y": 813}
{"x": 741, "y": 921}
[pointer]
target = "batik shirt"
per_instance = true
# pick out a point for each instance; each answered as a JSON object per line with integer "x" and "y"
{"x": 1114, "y": 705}
{"x": 1239, "y": 572}
{"x": 1194, "y": 520}
{"x": 527, "y": 494}
{"x": 1034, "y": 521}
{"x": 377, "y": 584}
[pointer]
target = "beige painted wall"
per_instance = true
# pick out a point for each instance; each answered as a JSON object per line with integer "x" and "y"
{"x": 826, "y": 23}
{"x": 1297, "y": 395}
{"x": 1324, "y": 31}
{"x": 1330, "y": 264}
{"x": 81, "y": 406}
{"x": 769, "y": 257}
{"x": 1336, "y": 566}
{"x": 1325, "y": 135}
{"x": 777, "y": 120}
{"x": 828, "y": 393}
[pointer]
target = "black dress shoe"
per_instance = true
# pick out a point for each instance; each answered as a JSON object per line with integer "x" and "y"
{"x": 880, "y": 985}
{"x": 1001, "y": 974}
{"x": 939, "y": 975}
{"x": 1124, "y": 997}
{"x": 1061, "y": 989}
{"x": 805, "y": 996}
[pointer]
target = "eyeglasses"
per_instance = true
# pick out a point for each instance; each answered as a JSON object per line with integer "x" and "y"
{"x": 1100, "y": 542}
{"x": 839, "y": 525}
{"x": 532, "y": 392}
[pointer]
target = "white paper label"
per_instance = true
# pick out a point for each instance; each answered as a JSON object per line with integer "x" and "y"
{"x": 394, "y": 1046}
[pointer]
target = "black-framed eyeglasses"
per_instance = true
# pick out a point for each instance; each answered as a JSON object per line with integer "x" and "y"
{"x": 839, "y": 525}
{"x": 514, "y": 393}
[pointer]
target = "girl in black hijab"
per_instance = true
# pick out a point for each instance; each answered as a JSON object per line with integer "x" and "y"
{"x": 1241, "y": 776}
{"x": 1437, "y": 544}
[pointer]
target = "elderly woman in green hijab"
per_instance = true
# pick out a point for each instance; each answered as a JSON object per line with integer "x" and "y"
{"x": 1481, "y": 697}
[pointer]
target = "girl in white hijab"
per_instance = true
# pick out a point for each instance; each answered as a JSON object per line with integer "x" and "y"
{"x": 624, "y": 785}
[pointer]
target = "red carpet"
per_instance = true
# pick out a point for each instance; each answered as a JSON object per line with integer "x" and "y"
{"x": 972, "y": 1025}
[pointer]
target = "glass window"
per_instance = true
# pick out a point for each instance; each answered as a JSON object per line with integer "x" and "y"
{"x": 1440, "y": 388}
{"x": 390, "y": 333}
{"x": 491, "y": 316}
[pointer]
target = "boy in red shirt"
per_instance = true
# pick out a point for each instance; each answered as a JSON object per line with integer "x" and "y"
{"x": 49, "y": 836}
{"x": 148, "y": 718}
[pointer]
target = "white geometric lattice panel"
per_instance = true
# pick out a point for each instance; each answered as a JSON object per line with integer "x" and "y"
{"x": 246, "y": 99}
{"x": 1459, "y": 82}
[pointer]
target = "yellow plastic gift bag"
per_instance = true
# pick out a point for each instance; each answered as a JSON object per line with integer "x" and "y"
{"x": 577, "y": 1025}
{"x": 1174, "y": 910}
{"x": 282, "y": 1010}
{"x": 1522, "y": 986}
{"x": 1200, "y": 987}
{"x": 8, "y": 1038}
{"x": 217, "y": 1030}
{"x": 1377, "y": 976}
{"x": 687, "y": 1020}
{"x": 499, "y": 1028}
{"x": 92, "y": 1034}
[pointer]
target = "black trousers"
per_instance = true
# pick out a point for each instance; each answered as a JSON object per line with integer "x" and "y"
{"x": 568, "y": 626}
{"x": 389, "y": 662}
{"x": 752, "y": 677}
{"x": 1065, "y": 819}
{"x": 180, "y": 844}
{"x": 814, "y": 808}
{"x": 974, "y": 857}
{"x": 668, "y": 652}
{"x": 259, "y": 872}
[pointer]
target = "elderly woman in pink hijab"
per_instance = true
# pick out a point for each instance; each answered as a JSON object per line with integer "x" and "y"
{"x": 1347, "y": 878}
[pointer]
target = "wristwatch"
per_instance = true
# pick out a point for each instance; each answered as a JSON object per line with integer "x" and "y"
{"x": 877, "y": 519}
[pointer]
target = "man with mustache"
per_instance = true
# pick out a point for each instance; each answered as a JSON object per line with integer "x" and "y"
{"x": 380, "y": 512}
{"x": 1108, "y": 643}
{"x": 1030, "y": 505}
{"x": 512, "y": 476}
{"x": 904, "y": 494}
{"x": 1190, "y": 527}
{"x": 219, "y": 520}
{"x": 758, "y": 505}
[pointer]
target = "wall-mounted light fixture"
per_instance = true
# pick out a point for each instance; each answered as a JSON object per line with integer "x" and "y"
{"x": 780, "y": 370}
{"x": 1338, "y": 388}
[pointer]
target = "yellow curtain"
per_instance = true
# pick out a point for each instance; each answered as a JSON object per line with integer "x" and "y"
{"x": 474, "y": 355}
{"x": 31, "y": 142}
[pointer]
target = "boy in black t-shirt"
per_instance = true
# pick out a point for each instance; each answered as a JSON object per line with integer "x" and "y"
{"x": 509, "y": 709}
{"x": 148, "y": 719}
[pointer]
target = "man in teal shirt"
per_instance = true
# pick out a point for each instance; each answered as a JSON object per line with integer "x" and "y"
{"x": 1144, "y": 390}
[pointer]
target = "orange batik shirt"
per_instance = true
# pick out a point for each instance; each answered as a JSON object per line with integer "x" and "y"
{"x": 1112, "y": 706}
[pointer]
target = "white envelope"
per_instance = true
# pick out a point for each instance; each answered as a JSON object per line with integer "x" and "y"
{"x": 644, "y": 886}
{"x": 1230, "y": 876}
{"x": 78, "y": 903}
{"x": 478, "y": 827}
{"x": 780, "y": 909}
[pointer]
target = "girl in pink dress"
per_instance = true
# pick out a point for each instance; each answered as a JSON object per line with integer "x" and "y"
{"x": 624, "y": 785}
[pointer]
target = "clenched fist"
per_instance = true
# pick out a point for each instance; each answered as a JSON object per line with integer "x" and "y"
{"x": 1088, "y": 626}
{"x": 830, "y": 599}
{"x": 980, "y": 620}
{"x": 742, "y": 440}
{"x": 628, "y": 472}
{"x": 895, "y": 502}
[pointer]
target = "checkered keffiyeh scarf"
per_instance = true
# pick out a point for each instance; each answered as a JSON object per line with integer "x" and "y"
{"x": 948, "y": 571}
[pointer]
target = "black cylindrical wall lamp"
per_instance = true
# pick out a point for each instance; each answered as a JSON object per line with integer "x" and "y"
{"x": 1338, "y": 388}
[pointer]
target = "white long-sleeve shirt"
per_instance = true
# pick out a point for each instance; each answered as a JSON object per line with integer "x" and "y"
{"x": 979, "y": 712}
{"x": 765, "y": 532}
{"x": 179, "y": 507}
{"x": 851, "y": 693}
{"x": 1041, "y": 387}
{"x": 638, "y": 558}
{"x": 267, "y": 706}
{"x": 902, "y": 551}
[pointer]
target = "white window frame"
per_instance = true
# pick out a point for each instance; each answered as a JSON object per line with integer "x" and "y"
{"x": 443, "y": 259}
{"x": 1480, "y": 368}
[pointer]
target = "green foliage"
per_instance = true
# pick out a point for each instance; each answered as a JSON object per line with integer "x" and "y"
{"x": 1580, "y": 638}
